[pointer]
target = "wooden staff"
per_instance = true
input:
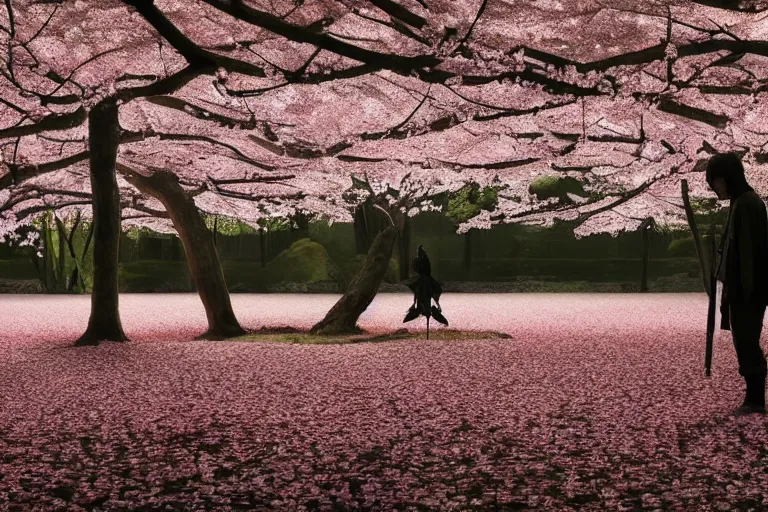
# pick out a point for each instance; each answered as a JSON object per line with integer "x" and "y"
{"x": 707, "y": 269}
{"x": 712, "y": 299}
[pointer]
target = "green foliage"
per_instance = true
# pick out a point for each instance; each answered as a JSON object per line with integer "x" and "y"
{"x": 546, "y": 187}
{"x": 685, "y": 248}
{"x": 703, "y": 205}
{"x": 274, "y": 224}
{"x": 468, "y": 201}
{"x": 305, "y": 262}
{"x": 135, "y": 233}
{"x": 682, "y": 247}
{"x": 354, "y": 265}
{"x": 227, "y": 226}
{"x": 57, "y": 269}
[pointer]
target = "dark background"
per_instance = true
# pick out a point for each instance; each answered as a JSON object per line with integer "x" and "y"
{"x": 525, "y": 258}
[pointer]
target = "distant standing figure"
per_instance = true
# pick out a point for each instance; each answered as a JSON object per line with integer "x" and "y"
{"x": 425, "y": 288}
{"x": 743, "y": 270}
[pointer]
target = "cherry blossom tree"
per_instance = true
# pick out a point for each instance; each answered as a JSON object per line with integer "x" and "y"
{"x": 221, "y": 95}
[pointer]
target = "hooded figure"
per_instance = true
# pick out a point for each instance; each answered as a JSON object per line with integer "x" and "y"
{"x": 425, "y": 288}
{"x": 743, "y": 270}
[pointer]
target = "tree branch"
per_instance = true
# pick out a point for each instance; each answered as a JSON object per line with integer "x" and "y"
{"x": 400, "y": 12}
{"x": 276, "y": 25}
{"x": 52, "y": 122}
{"x": 194, "y": 54}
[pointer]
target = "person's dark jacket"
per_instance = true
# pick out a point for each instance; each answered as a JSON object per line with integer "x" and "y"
{"x": 744, "y": 270}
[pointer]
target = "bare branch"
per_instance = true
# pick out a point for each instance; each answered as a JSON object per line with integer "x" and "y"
{"x": 398, "y": 11}
{"x": 52, "y": 122}
{"x": 194, "y": 54}
{"x": 471, "y": 27}
{"x": 12, "y": 27}
{"x": 267, "y": 21}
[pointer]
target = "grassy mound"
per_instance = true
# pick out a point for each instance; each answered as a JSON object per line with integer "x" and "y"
{"x": 291, "y": 335}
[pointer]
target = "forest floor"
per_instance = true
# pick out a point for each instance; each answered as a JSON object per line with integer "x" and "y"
{"x": 592, "y": 402}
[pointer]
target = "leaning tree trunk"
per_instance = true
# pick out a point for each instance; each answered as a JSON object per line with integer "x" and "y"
{"x": 405, "y": 249}
{"x": 200, "y": 249}
{"x": 342, "y": 318}
{"x": 104, "y": 323}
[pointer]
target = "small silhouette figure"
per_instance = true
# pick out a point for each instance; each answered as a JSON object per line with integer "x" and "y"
{"x": 425, "y": 288}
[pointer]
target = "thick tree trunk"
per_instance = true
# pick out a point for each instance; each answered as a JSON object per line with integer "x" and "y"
{"x": 104, "y": 323}
{"x": 198, "y": 242}
{"x": 342, "y": 318}
{"x": 405, "y": 249}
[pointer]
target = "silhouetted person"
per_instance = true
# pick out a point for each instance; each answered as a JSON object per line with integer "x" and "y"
{"x": 425, "y": 288}
{"x": 742, "y": 270}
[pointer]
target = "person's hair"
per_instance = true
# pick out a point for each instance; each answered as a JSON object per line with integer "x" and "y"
{"x": 728, "y": 166}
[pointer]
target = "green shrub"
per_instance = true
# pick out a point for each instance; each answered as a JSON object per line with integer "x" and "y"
{"x": 468, "y": 201}
{"x": 681, "y": 247}
{"x": 304, "y": 262}
{"x": 547, "y": 187}
{"x": 685, "y": 248}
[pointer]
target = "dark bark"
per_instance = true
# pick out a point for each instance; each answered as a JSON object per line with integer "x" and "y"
{"x": 368, "y": 223}
{"x": 405, "y": 249}
{"x": 199, "y": 246}
{"x": 104, "y": 322}
{"x": 342, "y": 318}
{"x": 361, "y": 231}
